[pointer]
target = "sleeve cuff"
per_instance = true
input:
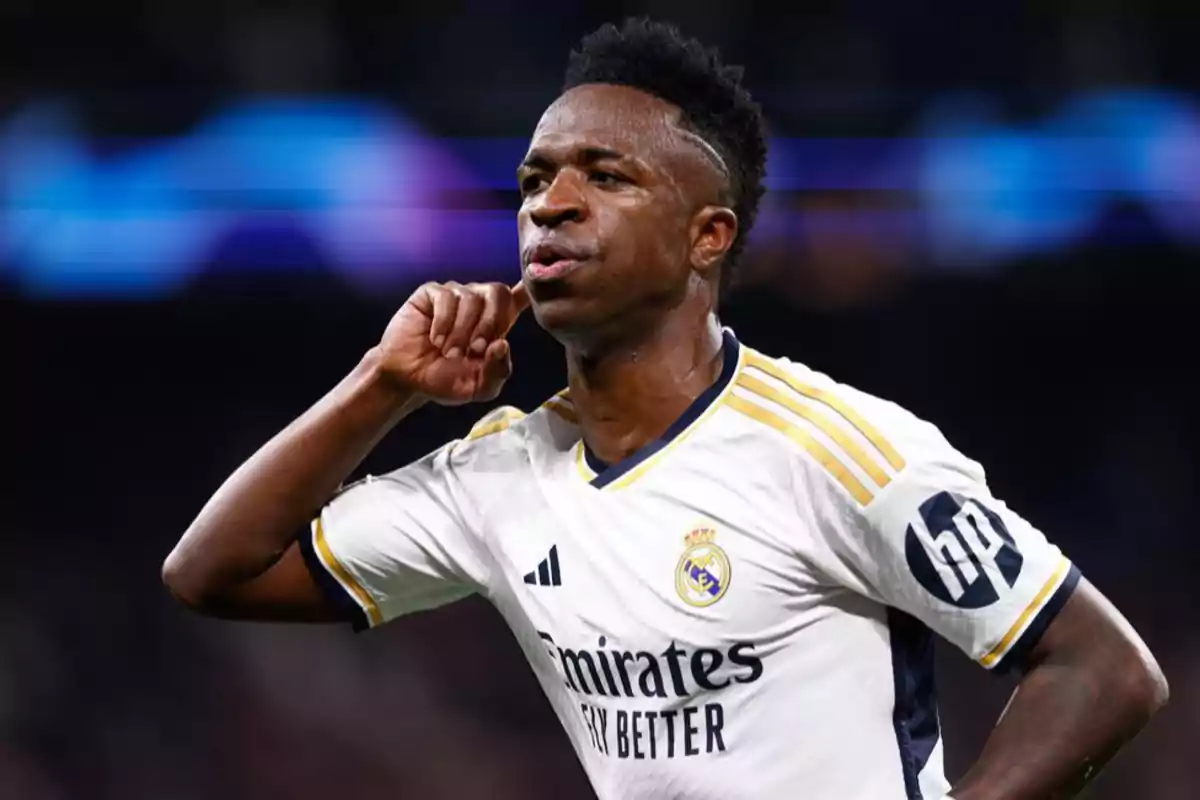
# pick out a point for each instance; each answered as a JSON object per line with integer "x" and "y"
{"x": 339, "y": 596}
{"x": 1014, "y": 660}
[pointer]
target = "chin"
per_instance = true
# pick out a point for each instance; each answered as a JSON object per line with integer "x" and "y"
{"x": 560, "y": 315}
{"x": 572, "y": 321}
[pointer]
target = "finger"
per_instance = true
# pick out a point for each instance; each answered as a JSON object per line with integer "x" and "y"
{"x": 470, "y": 306}
{"x": 489, "y": 317}
{"x": 497, "y": 367}
{"x": 496, "y": 319}
{"x": 445, "y": 308}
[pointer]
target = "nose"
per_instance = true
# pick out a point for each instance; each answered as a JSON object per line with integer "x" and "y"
{"x": 562, "y": 201}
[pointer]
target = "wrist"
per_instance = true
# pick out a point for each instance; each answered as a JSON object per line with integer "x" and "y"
{"x": 382, "y": 388}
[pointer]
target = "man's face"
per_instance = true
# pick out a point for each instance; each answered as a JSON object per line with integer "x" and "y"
{"x": 609, "y": 190}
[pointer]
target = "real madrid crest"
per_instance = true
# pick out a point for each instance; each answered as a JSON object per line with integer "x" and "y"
{"x": 702, "y": 575}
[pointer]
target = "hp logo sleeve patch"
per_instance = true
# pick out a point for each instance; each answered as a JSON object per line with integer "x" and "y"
{"x": 961, "y": 552}
{"x": 939, "y": 546}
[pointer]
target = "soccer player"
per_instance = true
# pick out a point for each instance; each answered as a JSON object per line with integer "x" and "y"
{"x": 724, "y": 568}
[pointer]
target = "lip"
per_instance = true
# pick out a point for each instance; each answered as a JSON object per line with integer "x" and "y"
{"x": 552, "y": 260}
{"x": 537, "y": 271}
{"x": 547, "y": 252}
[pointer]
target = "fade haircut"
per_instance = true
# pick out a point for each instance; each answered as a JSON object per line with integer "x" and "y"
{"x": 659, "y": 60}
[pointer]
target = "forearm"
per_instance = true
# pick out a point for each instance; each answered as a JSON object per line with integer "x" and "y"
{"x": 259, "y": 509}
{"x": 1090, "y": 689}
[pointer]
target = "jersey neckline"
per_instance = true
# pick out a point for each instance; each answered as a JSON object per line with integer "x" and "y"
{"x": 599, "y": 474}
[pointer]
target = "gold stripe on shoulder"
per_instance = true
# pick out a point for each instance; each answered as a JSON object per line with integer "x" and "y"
{"x": 488, "y": 426}
{"x": 867, "y": 464}
{"x": 563, "y": 410}
{"x": 342, "y": 574}
{"x": 479, "y": 432}
{"x": 561, "y": 405}
{"x": 806, "y": 440}
{"x": 869, "y": 432}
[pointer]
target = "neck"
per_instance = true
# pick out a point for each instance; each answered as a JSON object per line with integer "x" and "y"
{"x": 631, "y": 392}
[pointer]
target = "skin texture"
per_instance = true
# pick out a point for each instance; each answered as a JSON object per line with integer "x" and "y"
{"x": 647, "y": 212}
{"x": 637, "y": 321}
{"x": 612, "y": 177}
{"x": 239, "y": 558}
{"x": 1089, "y": 686}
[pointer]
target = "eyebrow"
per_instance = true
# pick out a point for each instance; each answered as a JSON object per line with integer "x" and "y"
{"x": 587, "y": 155}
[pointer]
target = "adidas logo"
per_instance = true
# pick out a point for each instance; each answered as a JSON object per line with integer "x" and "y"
{"x": 547, "y": 573}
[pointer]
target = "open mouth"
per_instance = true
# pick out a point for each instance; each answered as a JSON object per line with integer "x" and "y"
{"x": 550, "y": 262}
{"x": 555, "y": 269}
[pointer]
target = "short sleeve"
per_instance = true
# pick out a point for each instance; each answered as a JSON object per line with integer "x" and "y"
{"x": 399, "y": 543}
{"x": 936, "y": 544}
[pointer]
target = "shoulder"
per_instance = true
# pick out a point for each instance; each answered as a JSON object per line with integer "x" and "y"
{"x": 841, "y": 436}
{"x": 494, "y": 422}
{"x": 507, "y": 431}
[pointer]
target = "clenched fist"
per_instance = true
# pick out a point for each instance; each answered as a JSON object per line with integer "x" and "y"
{"x": 447, "y": 342}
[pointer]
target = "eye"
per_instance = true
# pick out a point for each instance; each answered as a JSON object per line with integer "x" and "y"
{"x": 607, "y": 178}
{"x": 532, "y": 183}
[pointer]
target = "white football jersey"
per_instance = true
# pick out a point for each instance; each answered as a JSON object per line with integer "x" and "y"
{"x": 742, "y": 608}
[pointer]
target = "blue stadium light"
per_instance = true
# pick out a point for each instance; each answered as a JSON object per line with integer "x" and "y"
{"x": 353, "y": 177}
{"x": 992, "y": 190}
{"x": 379, "y": 202}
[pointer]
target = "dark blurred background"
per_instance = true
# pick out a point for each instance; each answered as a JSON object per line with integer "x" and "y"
{"x": 989, "y": 214}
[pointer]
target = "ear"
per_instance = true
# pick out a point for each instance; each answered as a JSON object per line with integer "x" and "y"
{"x": 713, "y": 231}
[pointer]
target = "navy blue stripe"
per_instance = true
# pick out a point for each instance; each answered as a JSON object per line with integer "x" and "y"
{"x": 1014, "y": 660}
{"x": 596, "y": 465}
{"x": 339, "y": 596}
{"x": 914, "y": 715}
{"x": 606, "y": 474}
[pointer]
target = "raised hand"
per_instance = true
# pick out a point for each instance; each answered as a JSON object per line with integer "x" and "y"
{"x": 447, "y": 342}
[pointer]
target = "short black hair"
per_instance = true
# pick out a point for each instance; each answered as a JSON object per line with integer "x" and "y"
{"x": 659, "y": 60}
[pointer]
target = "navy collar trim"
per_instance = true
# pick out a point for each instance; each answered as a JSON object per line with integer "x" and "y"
{"x": 607, "y": 473}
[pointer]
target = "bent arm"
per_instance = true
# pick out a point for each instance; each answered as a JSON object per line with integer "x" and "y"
{"x": 238, "y": 558}
{"x": 1090, "y": 685}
